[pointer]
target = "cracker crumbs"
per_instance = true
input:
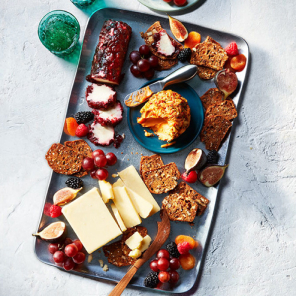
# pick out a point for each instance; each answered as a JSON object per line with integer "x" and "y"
{"x": 132, "y": 153}
{"x": 114, "y": 175}
{"x": 105, "y": 268}
{"x": 101, "y": 262}
{"x": 141, "y": 154}
{"x": 121, "y": 152}
{"x": 137, "y": 153}
{"x": 128, "y": 159}
{"x": 89, "y": 258}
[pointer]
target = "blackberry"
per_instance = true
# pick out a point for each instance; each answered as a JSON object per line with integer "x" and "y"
{"x": 184, "y": 55}
{"x": 84, "y": 117}
{"x": 212, "y": 157}
{"x": 151, "y": 280}
{"x": 172, "y": 248}
{"x": 74, "y": 183}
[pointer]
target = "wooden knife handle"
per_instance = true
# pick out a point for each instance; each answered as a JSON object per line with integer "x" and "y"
{"x": 124, "y": 282}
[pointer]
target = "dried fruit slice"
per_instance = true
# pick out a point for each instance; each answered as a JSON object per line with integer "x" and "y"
{"x": 100, "y": 96}
{"x": 185, "y": 238}
{"x": 64, "y": 196}
{"x": 212, "y": 174}
{"x": 192, "y": 40}
{"x": 111, "y": 116}
{"x": 101, "y": 135}
{"x": 178, "y": 29}
{"x": 187, "y": 261}
{"x": 238, "y": 63}
{"x": 70, "y": 126}
{"x": 195, "y": 160}
{"x": 52, "y": 232}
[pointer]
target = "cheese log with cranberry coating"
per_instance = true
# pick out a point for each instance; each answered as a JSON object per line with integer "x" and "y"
{"x": 110, "y": 52}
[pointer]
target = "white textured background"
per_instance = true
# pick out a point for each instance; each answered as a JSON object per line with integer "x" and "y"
{"x": 252, "y": 246}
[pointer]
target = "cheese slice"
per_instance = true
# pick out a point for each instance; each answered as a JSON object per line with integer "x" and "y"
{"x": 118, "y": 183}
{"x": 106, "y": 191}
{"x": 134, "y": 241}
{"x": 142, "y": 206}
{"x": 125, "y": 207}
{"x": 136, "y": 253}
{"x": 145, "y": 243}
{"x": 132, "y": 180}
{"x": 118, "y": 217}
{"x": 91, "y": 220}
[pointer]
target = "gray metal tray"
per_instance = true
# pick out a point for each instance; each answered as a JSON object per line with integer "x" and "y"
{"x": 130, "y": 151}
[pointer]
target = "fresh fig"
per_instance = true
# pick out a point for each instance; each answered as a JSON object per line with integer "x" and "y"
{"x": 178, "y": 29}
{"x": 212, "y": 174}
{"x": 195, "y": 160}
{"x": 65, "y": 195}
{"x": 226, "y": 81}
{"x": 52, "y": 232}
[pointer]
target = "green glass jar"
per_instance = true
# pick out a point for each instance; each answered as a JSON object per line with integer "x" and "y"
{"x": 82, "y": 3}
{"x": 59, "y": 32}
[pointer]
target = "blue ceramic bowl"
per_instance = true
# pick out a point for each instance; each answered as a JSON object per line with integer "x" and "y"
{"x": 153, "y": 143}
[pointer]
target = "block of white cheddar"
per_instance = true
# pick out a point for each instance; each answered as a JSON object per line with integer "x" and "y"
{"x": 132, "y": 180}
{"x": 118, "y": 183}
{"x": 91, "y": 220}
{"x": 136, "y": 253}
{"x": 106, "y": 191}
{"x": 125, "y": 207}
{"x": 118, "y": 217}
{"x": 142, "y": 206}
{"x": 134, "y": 241}
{"x": 145, "y": 243}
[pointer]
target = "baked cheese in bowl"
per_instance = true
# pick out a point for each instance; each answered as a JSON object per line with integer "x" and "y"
{"x": 167, "y": 114}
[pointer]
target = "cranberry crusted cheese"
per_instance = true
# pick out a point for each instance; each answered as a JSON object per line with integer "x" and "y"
{"x": 110, "y": 52}
{"x": 167, "y": 113}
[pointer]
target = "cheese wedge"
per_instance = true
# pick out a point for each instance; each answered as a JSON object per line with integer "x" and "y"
{"x": 134, "y": 241}
{"x": 145, "y": 243}
{"x": 118, "y": 217}
{"x": 136, "y": 253}
{"x": 118, "y": 183}
{"x": 142, "y": 206}
{"x": 91, "y": 220}
{"x": 132, "y": 180}
{"x": 106, "y": 191}
{"x": 125, "y": 207}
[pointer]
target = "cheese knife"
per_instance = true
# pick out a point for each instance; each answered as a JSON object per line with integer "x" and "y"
{"x": 142, "y": 95}
{"x": 164, "y": 228}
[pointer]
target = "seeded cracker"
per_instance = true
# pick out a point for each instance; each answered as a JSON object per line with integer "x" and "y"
{"x": 117, "y": 253}
{"x": 206, "y": 73}
{"x": 63, "y": 160}
{"x": 212, "y": 96}
{"x": 150, "y": 163}
{"x": 214, "y": 130}
{"x": 226, "y": 109}
{"x": 163, "y": 179}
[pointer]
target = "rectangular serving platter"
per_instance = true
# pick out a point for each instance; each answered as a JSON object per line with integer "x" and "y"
{"x": 129, "y": 153}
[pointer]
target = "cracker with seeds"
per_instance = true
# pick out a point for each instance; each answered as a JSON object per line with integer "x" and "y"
{"x": 212, "y": 96}
{"x": 226, "y": 109}
{"x": 206, "y": 73}
{"x": 150, "y": 163}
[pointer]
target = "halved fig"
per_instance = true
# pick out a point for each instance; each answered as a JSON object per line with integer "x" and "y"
{"x": 53, "y": 232}
{"x": 195, "y": 160}
{"x": 101, "y": 135}
{"x": 178, "y": 29}
{"x": 111, "y": 116}
{"x": 100, "y": 96}
{"x": 212, "y": 174}
{"x": 64, "y": 196}
{"x": 226, "y": 81}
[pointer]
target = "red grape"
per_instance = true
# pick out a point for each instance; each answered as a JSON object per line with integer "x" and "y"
{"x": 69, "y": 264}
{"x": 79, "y": 258}
{"x": 149, "y": 74}
{"x": 153, "y": 265}
{"x": 134, "y": 56}
{"x": 68, "y": 241}
{"x": 97, "y": 153}
{"x": 88, "y": 164}
{"x": 78, "y": 244}
{"x": 162, "y": 253}
{"x": 59, "y": 257}
{"x": 163, "y": 264}
{"x": 100, "y": 161}
{"x": 143, "y": 65}
{"x": 102, "y": 174}
{"x": 174, "y": 263}
{"x": 135, "y": 71}
{"x": 164, "y": 276}
{"x": 153, "y": 60}
{"x": 180, "y": 2}
{"x": 174, "y": 276}
{"x": 144, "y": 50}
{"x": 52, "y": 248}
{"x": 111, "y": 158}
{"x": 71, "y": 250}
{"x": 93, "y": 174}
